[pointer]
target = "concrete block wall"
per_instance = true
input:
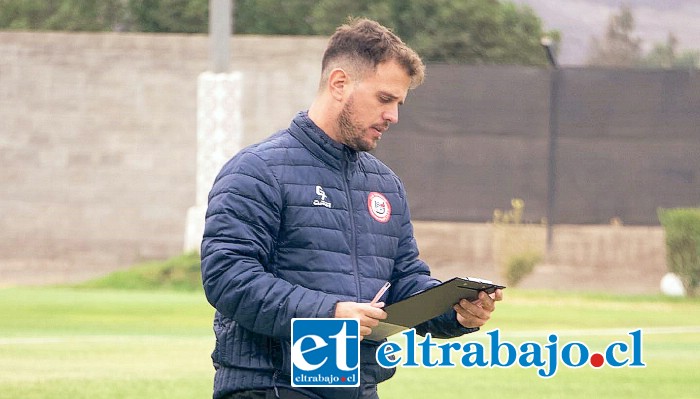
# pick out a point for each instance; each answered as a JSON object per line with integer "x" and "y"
{"x": 98, "y": 141}
{"x": 604, "y": 258}
{"x": 628, "y": 259}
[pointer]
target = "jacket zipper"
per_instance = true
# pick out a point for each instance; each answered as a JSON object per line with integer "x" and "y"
{"x": 353, "y": 238}
{"x": 353, "y": 235}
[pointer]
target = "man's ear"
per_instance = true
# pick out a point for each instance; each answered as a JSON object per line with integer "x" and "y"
{"x": 339, "y": 83}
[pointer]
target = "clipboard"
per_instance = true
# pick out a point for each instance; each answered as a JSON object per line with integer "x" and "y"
{"x": 427, "y": 304}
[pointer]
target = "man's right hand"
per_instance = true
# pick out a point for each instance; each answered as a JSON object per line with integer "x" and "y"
{"x": 368, "y": 314}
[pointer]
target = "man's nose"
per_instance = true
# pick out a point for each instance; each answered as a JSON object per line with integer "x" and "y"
{"x": 391, "y": 115}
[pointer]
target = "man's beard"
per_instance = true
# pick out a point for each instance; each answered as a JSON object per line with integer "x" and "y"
{"x": 351, "y": 134}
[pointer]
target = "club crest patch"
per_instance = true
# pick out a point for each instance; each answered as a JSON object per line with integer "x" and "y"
{"x": 379, "y": 207}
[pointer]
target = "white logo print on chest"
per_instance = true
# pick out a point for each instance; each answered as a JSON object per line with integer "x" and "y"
{"x": 321, "y": 201}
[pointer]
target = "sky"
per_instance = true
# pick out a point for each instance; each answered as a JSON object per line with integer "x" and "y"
{"x": 580, "y": 20}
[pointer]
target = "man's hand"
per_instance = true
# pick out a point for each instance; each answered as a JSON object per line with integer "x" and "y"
{"x": 368, "y": 314}
{"x": 477, "y": 313}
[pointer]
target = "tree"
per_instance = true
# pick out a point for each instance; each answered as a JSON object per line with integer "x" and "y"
{"x": 459, "y": 31}
{"x": 665, "y": 55}
{"x": 619, "y": 47}
{"x": 452, "y": 31}
{"x": 70, "y": 15}
{"x": 274, "y": 17}
{"x": 183, "y": 16}
{"x": 186, "y": 16}
{"x": 328, "y": 14}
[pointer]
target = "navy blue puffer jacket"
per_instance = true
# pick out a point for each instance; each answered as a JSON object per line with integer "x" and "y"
{"x": 296, "y": 224}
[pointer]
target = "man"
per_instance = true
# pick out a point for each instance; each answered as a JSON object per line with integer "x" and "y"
{"x": 308, "y": 224}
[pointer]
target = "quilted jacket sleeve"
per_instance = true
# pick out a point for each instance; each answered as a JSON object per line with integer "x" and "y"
{"x": 242, "y": 223}
{"x": 412, "y": 275}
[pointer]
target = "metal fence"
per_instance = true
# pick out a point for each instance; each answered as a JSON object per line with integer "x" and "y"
{"x": 578, "y": 145}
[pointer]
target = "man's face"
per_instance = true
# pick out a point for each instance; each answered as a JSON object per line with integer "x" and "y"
{"x": 372, "y": 106}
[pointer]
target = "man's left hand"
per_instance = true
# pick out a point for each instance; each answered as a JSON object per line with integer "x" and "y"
{"x": 478, "y": 312}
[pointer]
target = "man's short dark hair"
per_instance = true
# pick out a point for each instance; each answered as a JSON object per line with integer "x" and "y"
{"x": 362, "y": 44}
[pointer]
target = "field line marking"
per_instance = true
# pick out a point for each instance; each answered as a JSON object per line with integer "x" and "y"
{"x": 481, "y": 334}
{"x": 95, "y": 339}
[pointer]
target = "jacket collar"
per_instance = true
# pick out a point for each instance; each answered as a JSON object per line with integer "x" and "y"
{"x": 319, "y": 143}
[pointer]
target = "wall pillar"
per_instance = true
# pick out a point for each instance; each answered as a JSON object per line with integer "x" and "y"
{"x": 219, "y": 137}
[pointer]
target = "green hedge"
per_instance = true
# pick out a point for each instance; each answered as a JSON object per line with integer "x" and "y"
{"x": 520, "y": 266}
{"x": 682, "y": 227}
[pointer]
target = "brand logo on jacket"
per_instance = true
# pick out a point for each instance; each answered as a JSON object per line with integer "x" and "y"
{"x": 325, "y": 352}
{"x": 321, "y": 201}
{"x": 379, "y": 207}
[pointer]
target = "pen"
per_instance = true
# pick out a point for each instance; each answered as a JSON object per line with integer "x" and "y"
{"x": 380, "y": 293}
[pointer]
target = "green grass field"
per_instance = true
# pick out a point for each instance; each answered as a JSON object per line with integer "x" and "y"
{"x": 102, "y": 343}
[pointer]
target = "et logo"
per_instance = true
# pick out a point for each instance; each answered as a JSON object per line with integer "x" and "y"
{"x": 325, "y": 353}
